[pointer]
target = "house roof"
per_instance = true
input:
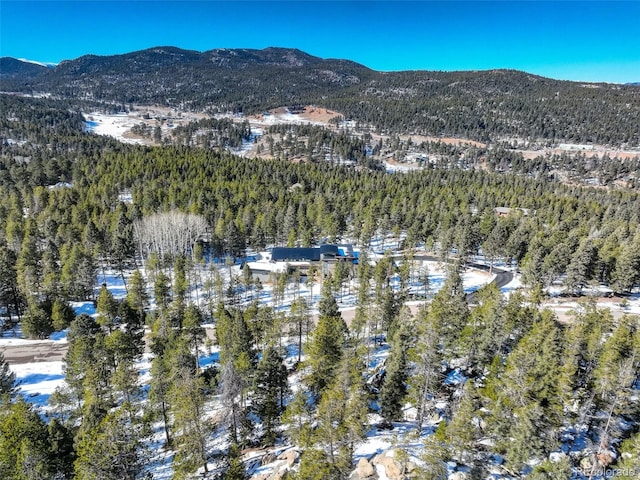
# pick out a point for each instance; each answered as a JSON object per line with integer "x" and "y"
{"x": 329, "y": 250}
{"x": 282, "y": 254}
{"x": 313, "y": 254}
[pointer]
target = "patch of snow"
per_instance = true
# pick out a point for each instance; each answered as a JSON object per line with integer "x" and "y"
{"x": 83, "y": 307}
{"x": 60, "y": 185}
{"x": 36, "y": 62}
{"x": 114, "y": 126}
{"x": 455, "y": 377}
{"x": 37, "y": 381}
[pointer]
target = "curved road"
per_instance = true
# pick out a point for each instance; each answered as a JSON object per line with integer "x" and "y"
{"x": 503, "y": 277}
{"x": 49, "y": 351}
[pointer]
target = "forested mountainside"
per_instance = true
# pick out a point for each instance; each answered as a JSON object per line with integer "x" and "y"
{"x": 502, "y": 389}
{"x": 482, "y": 105}
{"x": 19, "y": 69}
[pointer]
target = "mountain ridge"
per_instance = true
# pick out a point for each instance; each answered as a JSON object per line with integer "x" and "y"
{"x": 497, "y": 104}
{"x": 261, "y": 55}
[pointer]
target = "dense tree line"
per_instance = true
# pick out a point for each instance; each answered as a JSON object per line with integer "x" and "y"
{"x": 315, "y": 143}
{"x": 212, "y": 133}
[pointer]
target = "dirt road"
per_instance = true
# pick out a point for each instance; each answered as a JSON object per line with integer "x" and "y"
{"x": 34, "y": 352}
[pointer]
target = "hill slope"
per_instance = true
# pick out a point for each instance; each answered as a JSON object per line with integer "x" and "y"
{"x": 19, "y": 69}
{"x": 484, "y": 105}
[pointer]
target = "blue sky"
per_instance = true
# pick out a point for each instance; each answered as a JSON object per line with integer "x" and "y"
{"x": 585, "y": 41}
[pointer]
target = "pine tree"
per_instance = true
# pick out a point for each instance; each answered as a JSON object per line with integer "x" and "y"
{"x": 7, "y": 379}
{"x": 83, "y": 335}
{"x": 297, "y": 419}
{"x": 629, "y": 463}
{"x": 529, "y": 392}
{"x": 300, "y": 319}
{"x": 233, "y": 335}
{"x": 426, "y": 376}
{"x": 528, "y": 438}
{"x": 616, "y": 373}
{"x": 583, "y": 342}
{"x": 28, "y": 263}
{"x": 315, "y": 464}
{"x": 111, "y": 451}
{"x": 533, "y": 367}
{"x": 62, "y": 315}
{"x": 434, "y": 456}
{"x": 325, "y": 351}
{"x": 24, "y": 443}
{"x": 61, "y": 449}
{"x": 78, "y": 273}
{"x": 331, "y": 424}
{"x": 236, "y": 469}
{"x": 270, "y": 387}
{"x": 137, "y": 296}
{"x": 328, "y": 307}
{"x": 193, "y": 331}
{"x": 450, "y": 311}
{"x": 485, "y": 333}
{"x": 231, "y": 387}
{"x": 461, "y": 431}
{"x": 581, "y": 267}
{"x": 342, "y": 416}
{"x": 627, "y": 272}
{"x": 364, "y": 272}
{"x": 180, "y": 284}
{"x": 159, "y": 393}
{"x": 36, "y": 322}
{"x": 162, "y": 292}
{"x": 394, "y": 389}
{"x": 189, "y": 426}
{"x": 10, "y": 296}
{"x": 122, "y": 247}
{"x": 552, "y": 470}
{"x": 106, "y": 308}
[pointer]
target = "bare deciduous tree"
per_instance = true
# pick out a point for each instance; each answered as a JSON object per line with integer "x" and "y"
{"x": 170, "y": 233}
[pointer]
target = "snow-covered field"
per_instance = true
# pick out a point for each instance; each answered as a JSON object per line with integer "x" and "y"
{"x": 400, "y": 167}
{"x": 118, "y": 125}
{"x": 115, "y": 126}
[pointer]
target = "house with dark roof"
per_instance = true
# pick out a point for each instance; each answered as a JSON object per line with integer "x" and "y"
{"x": 291, "y": 259}
{"x": 313, "y": 254}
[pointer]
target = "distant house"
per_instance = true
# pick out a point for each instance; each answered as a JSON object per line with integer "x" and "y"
{"x": 505, "y": 211}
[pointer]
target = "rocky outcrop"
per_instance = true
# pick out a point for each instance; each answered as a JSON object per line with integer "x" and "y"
{"x": 393, "y": 469}
{"x": 279, "y": 464}
{"x": 365, "y": 470}
{"x": 289, "y": 456}
{"x": 458, "y": 476}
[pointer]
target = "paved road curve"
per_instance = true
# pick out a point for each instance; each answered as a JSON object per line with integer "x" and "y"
{"x": 503, "y": 277}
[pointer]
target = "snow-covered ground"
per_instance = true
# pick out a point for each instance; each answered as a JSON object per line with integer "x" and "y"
{"x": 400, "y": 167}
{"x": 115, "y": 126}
{"x": 118, "y": 125}
{"x": 277, "y": 118}
{"x": 39, "y": 380}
